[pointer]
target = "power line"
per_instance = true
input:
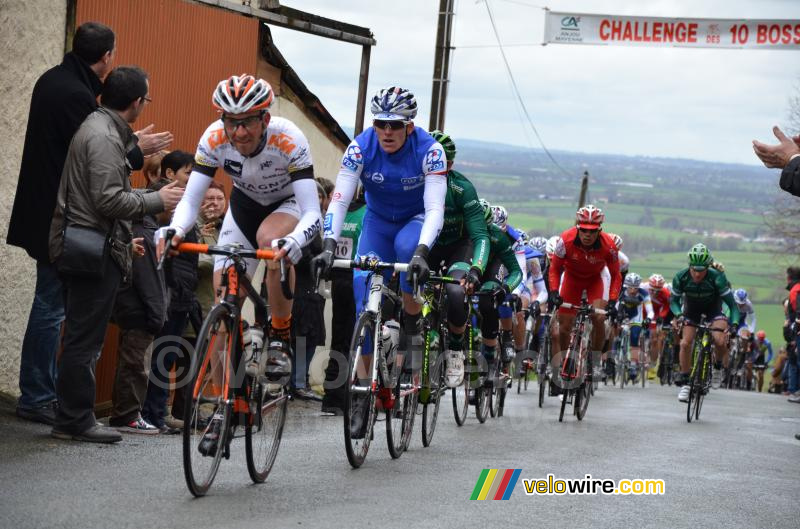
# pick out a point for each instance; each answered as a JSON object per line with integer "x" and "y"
{"x": 518, "y": 2}
{"x": 517, "y": 92}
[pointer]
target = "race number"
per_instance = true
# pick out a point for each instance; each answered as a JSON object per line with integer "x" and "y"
{"x": 344, "y": 248}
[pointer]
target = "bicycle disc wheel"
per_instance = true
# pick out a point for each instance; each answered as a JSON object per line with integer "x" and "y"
{"x": 263, "y": 434}
{"x": 430, "y": 411}
{"x": 207, "y": 413}
{"x": 359, "y": 402}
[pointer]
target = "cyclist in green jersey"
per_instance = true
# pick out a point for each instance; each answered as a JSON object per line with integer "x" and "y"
{"x": 463, "y": 247}
{"x": 703, "y": 290}
{"x": 501, "y": 277}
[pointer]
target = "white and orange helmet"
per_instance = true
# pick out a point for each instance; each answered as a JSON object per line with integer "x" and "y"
{"x": 242, "y": 93}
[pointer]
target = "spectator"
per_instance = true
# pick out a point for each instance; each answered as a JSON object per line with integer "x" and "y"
{"x": 140, "y": 310}
{"x": 62, "y": 98}
{"x": 791, "y": 325}
{"x": 344, "y": 317}
{"x": 327, "y": 188}
{"x": 152, "y": 168}
{"x": 95, "y": 193}
{"x": 785, "y": 155}
{"x": 171, "y": 350}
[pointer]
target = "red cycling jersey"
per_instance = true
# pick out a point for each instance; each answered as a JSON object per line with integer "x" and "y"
{"x": 660, "y": 300}
{"x": 582, "y": 267}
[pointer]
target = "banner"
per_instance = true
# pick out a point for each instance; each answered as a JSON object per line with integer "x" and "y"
{"x": 582, "y": 28}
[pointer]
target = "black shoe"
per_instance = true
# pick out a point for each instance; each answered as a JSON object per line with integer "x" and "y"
{"x": 358, "y": 416}
{"x": 43, "y": 414}
{"x": 279, "y": 363}
{"x": 208, "y": 444}
{"x": 95, "y": 434}
{"x": 168, "y": 430}
{"x": 306, "y": 394}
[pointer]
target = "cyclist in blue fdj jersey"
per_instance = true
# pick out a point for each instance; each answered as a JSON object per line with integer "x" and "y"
{"x": 404, "y": 173}
{"x": 635, "y": 305}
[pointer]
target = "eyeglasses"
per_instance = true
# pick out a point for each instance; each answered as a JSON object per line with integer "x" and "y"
{"x": 147, "y": 99}
{"x": 249, "y": 123}
{"x": 394, "y": 125}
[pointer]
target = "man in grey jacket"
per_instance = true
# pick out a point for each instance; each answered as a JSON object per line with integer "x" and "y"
{"x": 96, "y": 182}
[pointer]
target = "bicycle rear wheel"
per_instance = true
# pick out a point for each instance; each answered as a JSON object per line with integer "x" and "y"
{"x": 400, "y": 419}
{"x": 430, "y": 411}
{"x": 263, "y": 434}
{"x": 359, "y": 402}
{"x": 482, "y": 403}
{"x": 207, "y": 414}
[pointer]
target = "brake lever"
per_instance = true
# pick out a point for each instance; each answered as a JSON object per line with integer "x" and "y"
{"x": 167, "y": 247}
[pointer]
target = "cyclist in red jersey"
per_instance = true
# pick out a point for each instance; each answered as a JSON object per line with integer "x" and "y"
{"x": 659, "y": 297}
{"x": 581, "y": 255}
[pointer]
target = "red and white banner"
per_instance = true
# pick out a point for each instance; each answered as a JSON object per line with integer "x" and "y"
{"x": 582, "y": 28}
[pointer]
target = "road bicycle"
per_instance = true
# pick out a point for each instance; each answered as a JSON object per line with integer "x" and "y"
{"x": 700, "y": 377}
{"x": 228, "y": 392}
{"x": 666, "y": 357}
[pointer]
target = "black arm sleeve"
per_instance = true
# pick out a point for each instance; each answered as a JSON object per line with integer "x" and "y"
{"x": 790, "y": 177}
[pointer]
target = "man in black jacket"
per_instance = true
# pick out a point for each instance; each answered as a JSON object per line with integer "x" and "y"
{"x": 785, "y": 155}
{"x": 62, "y": 98}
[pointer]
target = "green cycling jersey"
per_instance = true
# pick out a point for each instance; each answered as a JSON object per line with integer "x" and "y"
{"x": 707, "y": 293}
{"x": 501, "y": 248}
{"x": 463, "y": 216}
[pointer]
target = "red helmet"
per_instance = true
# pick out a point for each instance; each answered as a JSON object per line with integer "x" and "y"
{"x": 761, "y": 335}
{"x": 656, "y": 281}
{"x": 589, "y": 217}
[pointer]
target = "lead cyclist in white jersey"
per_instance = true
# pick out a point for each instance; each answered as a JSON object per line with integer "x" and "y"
{"x": 274, "y": 199}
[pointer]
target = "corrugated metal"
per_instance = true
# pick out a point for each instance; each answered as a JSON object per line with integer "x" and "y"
{"x": 186, "y": 49}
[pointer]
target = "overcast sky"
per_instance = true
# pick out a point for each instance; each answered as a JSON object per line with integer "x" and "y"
{"x": 674, "y": 102}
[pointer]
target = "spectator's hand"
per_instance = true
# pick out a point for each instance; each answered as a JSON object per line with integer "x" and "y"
{"x": 208, "y": 229}
{"x": 170, "y": 195}
{"x": 777, "y": 156}
{"x": 137, "y": 247}
{"x": 150, "y": 142}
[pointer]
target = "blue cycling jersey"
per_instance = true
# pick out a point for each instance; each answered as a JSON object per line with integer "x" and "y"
{"x": 395, "y": 183}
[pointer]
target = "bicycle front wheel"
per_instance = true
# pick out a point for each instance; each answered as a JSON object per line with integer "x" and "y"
{"x": 263, "y": 433}
{"x": 359, "y": 403}
{"x": 430, "y": 411}
{"x": 207, "y": 414}
{"x": 400, "y": 419}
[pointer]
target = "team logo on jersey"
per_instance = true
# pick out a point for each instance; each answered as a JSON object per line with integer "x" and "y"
{"x": 411, "y": 180}
{"x": 265, "y": 164}
{"x": 433, "y": 159}
{"x": 328, "y": 223}
{"x": 353, "y": 157}
{"x": 282, "y": 142}
{"x": 233, "y": 167}
{"x": 216, "y": 138}
{"x": 561, "y": 249}
{"x": 377, "y": 178}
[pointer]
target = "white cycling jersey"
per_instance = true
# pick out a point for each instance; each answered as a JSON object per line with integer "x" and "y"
{"x": 279, "y": 170}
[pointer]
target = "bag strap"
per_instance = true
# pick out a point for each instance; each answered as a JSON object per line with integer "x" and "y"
{"x": 110, "y": 233}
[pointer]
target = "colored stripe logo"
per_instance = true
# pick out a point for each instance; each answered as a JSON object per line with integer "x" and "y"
{"x": 496, "y": 484}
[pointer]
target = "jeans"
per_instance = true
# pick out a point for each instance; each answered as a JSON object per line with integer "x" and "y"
{"x": 37, "y": 368}
{"x": 792, "y": 370}
{"x": 88, "y": 304}
{"x": 166, "y": 351}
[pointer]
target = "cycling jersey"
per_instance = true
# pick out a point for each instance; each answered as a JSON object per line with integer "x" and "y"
{"x": 398, "y": 186}
{"x": 347, "y": 245}
{"x": 502, "y": 252}
{"x": 534, "y": 284}
{"x": 705, "y": 297}
{"x": 582, "y": 267}
{"x": 515, "y": 236}
{"x": 278, "y": 176}
{"x": 760, "y": 349}
{"x": 463, "y": 217}
{"x": 635, "y": 305}
{"x": 747, "y": 316}
{"x": 660, "y": 300}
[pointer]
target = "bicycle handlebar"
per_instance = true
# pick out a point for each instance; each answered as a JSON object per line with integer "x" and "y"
{"x": 372, "y": 265}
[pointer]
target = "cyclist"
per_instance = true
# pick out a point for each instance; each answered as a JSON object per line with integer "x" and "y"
{"x": 404, "y": 173}
{"x": 635, "y": 304}
{"x": 274, "y": 199}
{"x": 761, "y": 357}
{"x": 581, "y": 254}
{"x": 659, "y": 297}
{"x": 610, "y": 324}
{"x": 501, "y": 277}
{"x": 463, "y": 245}
{"x": 532, "y": 293}
{"x": 747, "y": 314}
{"x": 705, "y": 290}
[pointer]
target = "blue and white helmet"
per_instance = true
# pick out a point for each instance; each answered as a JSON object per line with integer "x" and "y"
{"x": 740, "y": 296}
{"x": 539, "y": 243}
{"x": 499, "y": 216}
{"x": 394, "y": 104}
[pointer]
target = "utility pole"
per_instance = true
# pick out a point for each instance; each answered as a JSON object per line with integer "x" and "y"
{"x": 441, "y": 65}
{"x": 584, "y": 189}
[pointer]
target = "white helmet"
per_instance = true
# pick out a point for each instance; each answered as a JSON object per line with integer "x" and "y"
{"x": 499, "y": 216}
{"x": 242, "y": 93}
{"x": 633, "y": 280}
{"x": 552, "y": 242}
{"x": 394, "y": 103}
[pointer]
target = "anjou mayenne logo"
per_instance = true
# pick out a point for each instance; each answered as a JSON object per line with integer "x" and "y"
{"x": 496, "y": 484}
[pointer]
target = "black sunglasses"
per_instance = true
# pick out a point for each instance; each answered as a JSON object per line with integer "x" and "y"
{"x": 394, "y": 125}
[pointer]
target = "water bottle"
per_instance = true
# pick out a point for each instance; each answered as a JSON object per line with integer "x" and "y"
{"x": 253, "y": 343}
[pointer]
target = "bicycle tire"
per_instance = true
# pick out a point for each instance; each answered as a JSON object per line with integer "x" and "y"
{"x": 400, "y": 419}
{"x": 583, "y": 394}
{"x": 694, "y": 386}
{"x": 270, "y": 424}
{"x": 430, "y": 410}
{"x": 357, "y": 447}
{"x": 482, "y": 403}
{"x": 564, "y": 398}
{"x": 208, "y": 405}
{"x": 542, "y": 388}
{"x": 494, "y": 393}
{"x": 704, "y": 382}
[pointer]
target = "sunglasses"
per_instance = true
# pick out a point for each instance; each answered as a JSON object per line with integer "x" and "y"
{"x": 586, "y": 230}
{"x": 249, "y": 123}
{"x": 394, "y": 125}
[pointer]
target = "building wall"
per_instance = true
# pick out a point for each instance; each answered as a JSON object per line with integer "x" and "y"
{"x": 32, "y": 41}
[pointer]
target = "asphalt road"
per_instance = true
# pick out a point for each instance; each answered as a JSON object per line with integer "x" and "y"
{"x": 739, "y": 466}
